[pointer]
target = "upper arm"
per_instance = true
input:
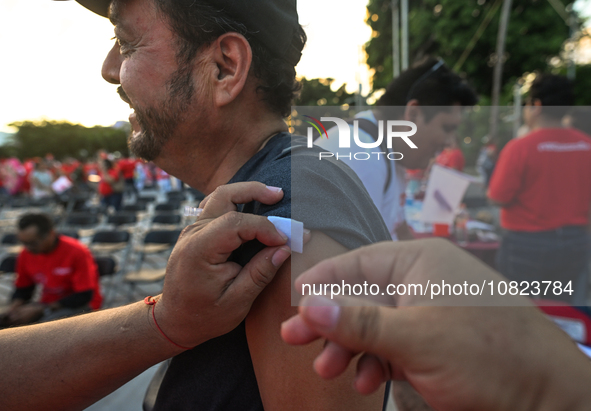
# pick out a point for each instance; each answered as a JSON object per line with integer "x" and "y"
{"x": 284, "y": 373}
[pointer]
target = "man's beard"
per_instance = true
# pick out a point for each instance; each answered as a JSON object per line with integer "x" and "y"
{"x": 159, "y": 123}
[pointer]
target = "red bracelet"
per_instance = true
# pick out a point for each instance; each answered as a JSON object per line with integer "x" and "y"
{"x": 150, "y": 301}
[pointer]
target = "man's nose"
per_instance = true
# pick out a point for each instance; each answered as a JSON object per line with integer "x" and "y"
{"x": 112, "y": 65}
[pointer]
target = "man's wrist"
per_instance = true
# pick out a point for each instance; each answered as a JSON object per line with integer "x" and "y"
{"x": 156, "y": 329}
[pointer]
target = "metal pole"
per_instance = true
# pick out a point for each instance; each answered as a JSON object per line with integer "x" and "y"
{"x": 572, "y": 23}
{"x": 395, "y": 38}
{"x": 516, "y": 108}
{"x": 498, "y": 72}
{"x": 404, "y": 47}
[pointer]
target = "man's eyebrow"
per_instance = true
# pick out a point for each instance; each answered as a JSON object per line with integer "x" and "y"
{"x": 115, "y": 17}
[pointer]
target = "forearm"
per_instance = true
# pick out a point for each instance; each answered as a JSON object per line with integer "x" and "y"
{"x": 71, "y": 363}
{"x": 17, "y": 302}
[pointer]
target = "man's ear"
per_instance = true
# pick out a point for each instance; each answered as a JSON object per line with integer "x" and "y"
{"x": 232, "y": 55}
{"x": 413, "y": 111}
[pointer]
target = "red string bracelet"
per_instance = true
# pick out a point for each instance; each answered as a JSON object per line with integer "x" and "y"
{"x": 150, "y": 301}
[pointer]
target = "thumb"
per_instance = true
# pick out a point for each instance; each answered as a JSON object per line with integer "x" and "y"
{"x": 358, "y": 327}
{"x": 258, "y": 273}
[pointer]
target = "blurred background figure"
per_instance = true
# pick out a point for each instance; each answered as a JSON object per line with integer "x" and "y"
{"x": 64, "y": 268}
{"x": 111, "y": 185}
{"x": 163, "y": 180}
{"x": 41, "y": 179}
{"x": 127, "y": 167}
{"x": 451, "y": 156}
{"x": 485, "y": 164}
{"x": 542, "y": 181}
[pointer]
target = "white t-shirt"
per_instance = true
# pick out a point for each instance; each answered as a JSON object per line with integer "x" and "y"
{"x": 373, "y": 173}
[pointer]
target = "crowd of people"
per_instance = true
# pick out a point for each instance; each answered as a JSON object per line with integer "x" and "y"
{"x": 210, "y": 83}
{"x": 108, "y": 174}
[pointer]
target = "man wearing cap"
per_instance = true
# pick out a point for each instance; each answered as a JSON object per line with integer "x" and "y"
{"x": 210, "y": 83}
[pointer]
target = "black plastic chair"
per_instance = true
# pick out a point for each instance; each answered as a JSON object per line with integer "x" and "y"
{"x": 113, "y": 241}
{"x": 138, "y": 206}
{"x": 9, "y": 239}
{"x": 122, "y": 218}
{"x": 167, "y": 218}
{"x": 110, "y": 237}
{"x": 8, "y": 264}
{"x": 20, "y": 202}
{"x": 10, "y": 244}
{"x": 170, "y": 206}
{"x": 70, "y": 233}
{"x": 146, "y": 199}
{"x": 83, "y": 219}
{"x": 176, "y": 196}
{"x": 155, "y": 242}
{"x": 107, "y": 266}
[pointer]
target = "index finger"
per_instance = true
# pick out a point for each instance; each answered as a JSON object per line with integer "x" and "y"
{"x": 225, "y": 198}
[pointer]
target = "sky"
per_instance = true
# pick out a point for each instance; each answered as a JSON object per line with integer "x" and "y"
{"x": 51, "y": 53}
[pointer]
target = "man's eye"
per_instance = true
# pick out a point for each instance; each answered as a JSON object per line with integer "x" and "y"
{"x": 450, "y": 129}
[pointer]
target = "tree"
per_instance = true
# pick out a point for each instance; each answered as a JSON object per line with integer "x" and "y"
{"x": 63, "y": 139}
{"x": 536, "y": 34}
{"x": 317, "y": 92}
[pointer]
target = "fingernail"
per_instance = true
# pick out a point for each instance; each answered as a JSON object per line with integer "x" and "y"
{"x": 274, "y": 189}
{"x": 280, "y": 256}
{"x": 321, "y": 311}
{"x": 307, "y": 235}
{"x": 283, "y": 235}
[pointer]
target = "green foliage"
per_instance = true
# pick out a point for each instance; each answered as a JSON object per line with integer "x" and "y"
{"x": 317, "y": 92}
{"x": 581, "y": 84}
{"x": 445, "y": 27}
{"x": 63, "y": 139}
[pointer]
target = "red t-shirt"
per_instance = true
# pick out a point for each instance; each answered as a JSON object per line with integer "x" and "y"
{"x": 127, "y": 167}
{"x": 545, "y": 180}
{"x": 66, "y": 270}
{"x": 451, "y": 158}
{"x": 105, "y": 189}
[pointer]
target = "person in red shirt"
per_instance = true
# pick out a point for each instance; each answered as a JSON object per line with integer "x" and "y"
{"x": 451, "y": 157}
{"x": 62, "y": 265}
{"x": 543, "y": 184}
{"x": 127, "y": 167}
{"x": 110, "y": 187}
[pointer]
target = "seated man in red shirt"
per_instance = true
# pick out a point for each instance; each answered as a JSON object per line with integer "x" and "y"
{"x": 62, "y": 265}
{"x": 543, "y": 184}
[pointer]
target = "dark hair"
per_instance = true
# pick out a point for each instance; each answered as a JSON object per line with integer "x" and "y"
{"x": 197, "y": 24}
{"x": 430, "y": 82}
{"x": 552, "y": 91}
{"x": 43, "y": 222}
{"x": 108, "y": 163}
